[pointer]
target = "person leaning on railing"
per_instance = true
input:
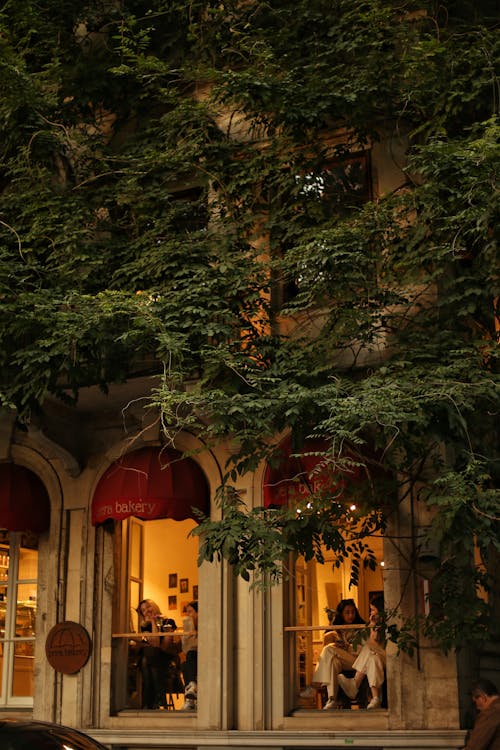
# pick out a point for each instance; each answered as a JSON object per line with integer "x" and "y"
{"x": 370, "y": 661}
{"x": 338, "y": 653}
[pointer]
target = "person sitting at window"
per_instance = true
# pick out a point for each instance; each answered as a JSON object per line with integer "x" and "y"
{"x": 339, "y": 651}
{"x": 190, "y": 649}
{"x": 158, "y": 655}
{"x": 370, "y": 662}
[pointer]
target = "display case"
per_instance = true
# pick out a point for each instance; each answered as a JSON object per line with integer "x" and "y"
{"x": 4, "y": 566}
{"x": 25, "y": 619}
{"x": 23, "y": 650}
{"x": 18, "y": 609}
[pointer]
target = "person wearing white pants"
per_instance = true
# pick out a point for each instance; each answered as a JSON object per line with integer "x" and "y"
{"x": 370, "y": 662}
{"x": 338, "y": 651}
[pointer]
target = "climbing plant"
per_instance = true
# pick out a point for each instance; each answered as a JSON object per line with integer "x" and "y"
{"x": 185, "y": 189}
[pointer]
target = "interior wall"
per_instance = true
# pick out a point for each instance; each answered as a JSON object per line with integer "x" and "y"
{"x": 169, "y": 551}
{"x": 332, "y": 584}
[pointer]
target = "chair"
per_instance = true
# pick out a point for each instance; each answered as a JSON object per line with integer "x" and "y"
{"x": 174, "y": 682}
{"x": 169, "y": 703}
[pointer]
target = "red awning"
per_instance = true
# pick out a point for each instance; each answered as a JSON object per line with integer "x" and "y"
{"x": 24, "y": 501}
{"x": 151, "y": 483}
{"x": 296, "y": 477}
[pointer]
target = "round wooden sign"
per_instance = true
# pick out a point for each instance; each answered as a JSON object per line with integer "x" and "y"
{"x": 68, "y": 647}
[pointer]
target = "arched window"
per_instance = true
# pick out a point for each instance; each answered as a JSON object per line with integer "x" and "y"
{"x": 24, "y": 514}
{"x": 153, "y": 497}
{"x": 315, "y": 589}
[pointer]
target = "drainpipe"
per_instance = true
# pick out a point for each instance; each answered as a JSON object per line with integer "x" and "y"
{"x": 414, "y": 575}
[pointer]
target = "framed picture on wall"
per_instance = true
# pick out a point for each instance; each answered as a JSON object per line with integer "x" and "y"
{"x": 184, "y": 607}
{"x": 195, "y": 592}
{"x": 172, "y": 602}
{"x": 172, "y": 581}
{"x": 184, "y": 585}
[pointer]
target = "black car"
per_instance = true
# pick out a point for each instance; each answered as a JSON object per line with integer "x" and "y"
{"x": 20, "y": 734}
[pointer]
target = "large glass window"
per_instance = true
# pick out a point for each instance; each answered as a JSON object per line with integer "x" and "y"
{"x": 18, "y": 601}
{"x": 315, "y": 593}
{"x": 159, "y": 566}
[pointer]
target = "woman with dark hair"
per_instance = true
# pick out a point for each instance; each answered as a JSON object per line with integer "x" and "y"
{"x": 370, "y": 662}
{"x": 338, "y": 651}
{"x": 158, "y": 656}
{"x": 190, "y": 649}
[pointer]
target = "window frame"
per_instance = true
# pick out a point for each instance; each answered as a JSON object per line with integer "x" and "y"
{"x": 310, "y": 630}
{"x": 283, "y": 291}
{"x": 125, "y": 541}
{"x": 9, "y": 640}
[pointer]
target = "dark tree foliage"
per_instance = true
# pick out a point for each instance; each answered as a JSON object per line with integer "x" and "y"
{"x": 180, "y": 179}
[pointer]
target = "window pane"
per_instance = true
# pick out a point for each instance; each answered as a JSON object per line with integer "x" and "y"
{"x": 22, "y": 683}
{"x": 4, "y": 569}
{"x": 136, "y": 551}
{"x": 1, "y": 669}
{"x": 26, "y": 610}
{"x": 28, "y": 564}
{"x": 18, "y": 595}
{"x": 168, "y": 548}
{"x": 318, "y": 590}
{"x": 333, "y": 191}
{"x": 168, "y": 562}
{"x": 135, "y": 596}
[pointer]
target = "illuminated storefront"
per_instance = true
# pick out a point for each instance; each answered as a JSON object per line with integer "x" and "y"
{"x": 119, "y": 531}
{"x": 24, "y": 514}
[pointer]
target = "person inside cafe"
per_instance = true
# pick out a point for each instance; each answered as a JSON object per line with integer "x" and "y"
{"x": 190, "y": 651}
{"x": 370, "y": 662}
{"x": 338, "y": 653}
{"x": 158, "y": 656}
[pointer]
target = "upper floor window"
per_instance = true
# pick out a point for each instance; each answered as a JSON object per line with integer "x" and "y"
{"x": 335, "y": 189}
{"x": 323, "y": 195}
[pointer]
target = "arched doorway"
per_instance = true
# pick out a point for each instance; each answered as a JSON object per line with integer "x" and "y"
{"x": 151, "y": 499}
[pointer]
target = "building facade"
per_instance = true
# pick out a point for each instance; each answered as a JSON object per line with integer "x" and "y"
{"x": 92, "y": 558}
{"x": 97, "y": 503}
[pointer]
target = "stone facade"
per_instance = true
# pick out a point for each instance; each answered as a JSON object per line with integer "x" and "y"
{"x": 242, "y": 654}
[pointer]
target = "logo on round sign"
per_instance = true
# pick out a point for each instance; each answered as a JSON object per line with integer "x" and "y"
{"x": 67, "y": 647}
